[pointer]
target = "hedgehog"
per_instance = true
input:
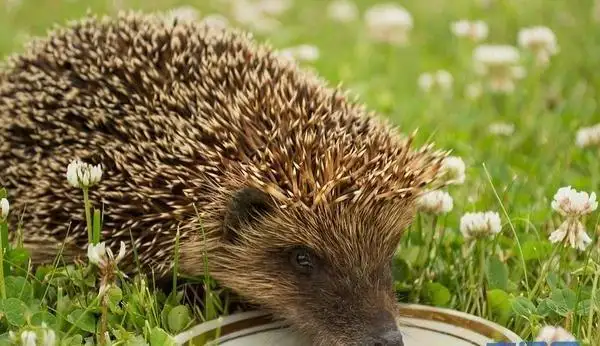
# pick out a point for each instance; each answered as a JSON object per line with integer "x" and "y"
{"x": 293, "y": 192}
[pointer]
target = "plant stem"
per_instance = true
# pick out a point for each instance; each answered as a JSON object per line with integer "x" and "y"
{"x": 592, "y": 306}
{"x": 481, "y": 287}
{"x": 103, "y": 320}
{"x": 471, "y": 283}
{"x": 96, "y": 227}
{"x": 88, "y": 217}
{"x": 176, "y": 261}
{"x": 2, "y": 286}
{"x": 542, "y": 276}
{"x": 428, "y": 244}
{"x": 512, "y": 227}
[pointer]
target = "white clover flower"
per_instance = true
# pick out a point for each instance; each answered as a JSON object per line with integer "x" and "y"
{"x": 389, "y": 23}
{"x": 11, "y": 4}
{"x": 183, "y": 14}
{"x": 501, "y": 129}
{"x": 96, "y": 253}
{"x": 473, "y": 91}
{"x": 444, "y": 79}
{"x": 574, "y": 231}
{"x": 540, "y": 40}
{"x": 478, "y": 225}
{"x": 4, "y": 208}
{"x": 438, "y": 80}
{"x": 83, "y": 175}
{"x": 473, "y": 30}
{"x": 216, "y": 21}
{"x": 258, "y": 14}
{"x": 101, "y": 256}
{"x": 120, "y": 255}
{"x": 273, "y": 7}
{"x": 453, "y": 170}
{"x": 342, "y": 11}
{"x": 303, "y": 52}
{"x": 426, "y": 81}
{"x": 486, "y": 3}
{"x": 573, "y": 205}
{"x": 48, "y": 336}
{"x": 28, "y": 338}
{"x": 569, "y": 202}
{"x": 435, "y": 202}
{"x": 551, "y": 334}
{"x": 588, "y": 136}
{"x": 499, "y": 64}
{"x": 496, "y": 55}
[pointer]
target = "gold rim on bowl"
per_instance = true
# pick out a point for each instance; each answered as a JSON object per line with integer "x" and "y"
{"x": 253, "y": 320}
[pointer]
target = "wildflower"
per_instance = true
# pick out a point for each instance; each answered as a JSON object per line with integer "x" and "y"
{"x": 342, "y": 10}
{"x": 588, "y": 136}
{"x": 101, "y": 256}
{"x": 486, "y": 4}
{"x": 435, "y": 202}
{"x": 259, "y": 14}
{"x": 302, "y": 52}
{"x": 438, "y": 80}
{"x": 574, "y": 231}
{"x": 389, "y": 23}
{"x": 498, "y": 63}
{"x": 480, "y": 224}
{"x": 83, "y": 175}
{"x": 273, "y": 7}
{"x": 96, "y": 252}
{"x": 501, "y": 129}
{"x": 473, "y": 30}
{"x": 4, "y": 208}
{"x": 568, "y": 202}
{"x": 573, "y": 205}
{"x": 473, "y": 91}
{"x": 551, "y": 334}
{"x": 453, "y": 170}
{"x": 540, "y": 40}
{"x": 48, "y": 335}
{"x": 11, "y": 4}
{"x": 28, "y": 338}
{"x": 183, "y": 14}
{"x": 216, "y": 21}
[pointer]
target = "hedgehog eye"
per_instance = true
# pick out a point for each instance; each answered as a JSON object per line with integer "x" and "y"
{"x": 302, "y": 259}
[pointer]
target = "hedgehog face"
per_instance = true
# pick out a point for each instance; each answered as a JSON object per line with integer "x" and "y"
{"x": 327, "y": 271}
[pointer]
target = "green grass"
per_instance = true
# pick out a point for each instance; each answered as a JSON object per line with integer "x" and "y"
{"x": 515, "y": 175}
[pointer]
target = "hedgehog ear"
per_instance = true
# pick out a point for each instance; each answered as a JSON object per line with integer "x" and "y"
{"x": 247, "y": 205}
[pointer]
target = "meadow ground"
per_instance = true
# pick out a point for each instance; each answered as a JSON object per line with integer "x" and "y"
{"x": 520, "y": 146}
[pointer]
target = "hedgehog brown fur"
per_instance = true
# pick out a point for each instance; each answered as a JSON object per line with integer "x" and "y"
{"x": 297, "y": 195}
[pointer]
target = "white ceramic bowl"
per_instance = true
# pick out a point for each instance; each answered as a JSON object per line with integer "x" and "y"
{"x": 421, "y": 325}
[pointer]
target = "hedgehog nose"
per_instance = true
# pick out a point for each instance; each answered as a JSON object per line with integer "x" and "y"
{"x": 389, "y": 338}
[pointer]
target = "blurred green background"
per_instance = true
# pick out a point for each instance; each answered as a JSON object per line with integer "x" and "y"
{"x": 525, "y": 168}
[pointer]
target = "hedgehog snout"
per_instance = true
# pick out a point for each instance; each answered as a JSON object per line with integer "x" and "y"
{"x": 387, "y": 333}
{"x": 390, "y": 338}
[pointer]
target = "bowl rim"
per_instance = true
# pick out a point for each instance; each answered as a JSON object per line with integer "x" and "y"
{"x": 237, "y": 322}
{"x": 459, "y": 319}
